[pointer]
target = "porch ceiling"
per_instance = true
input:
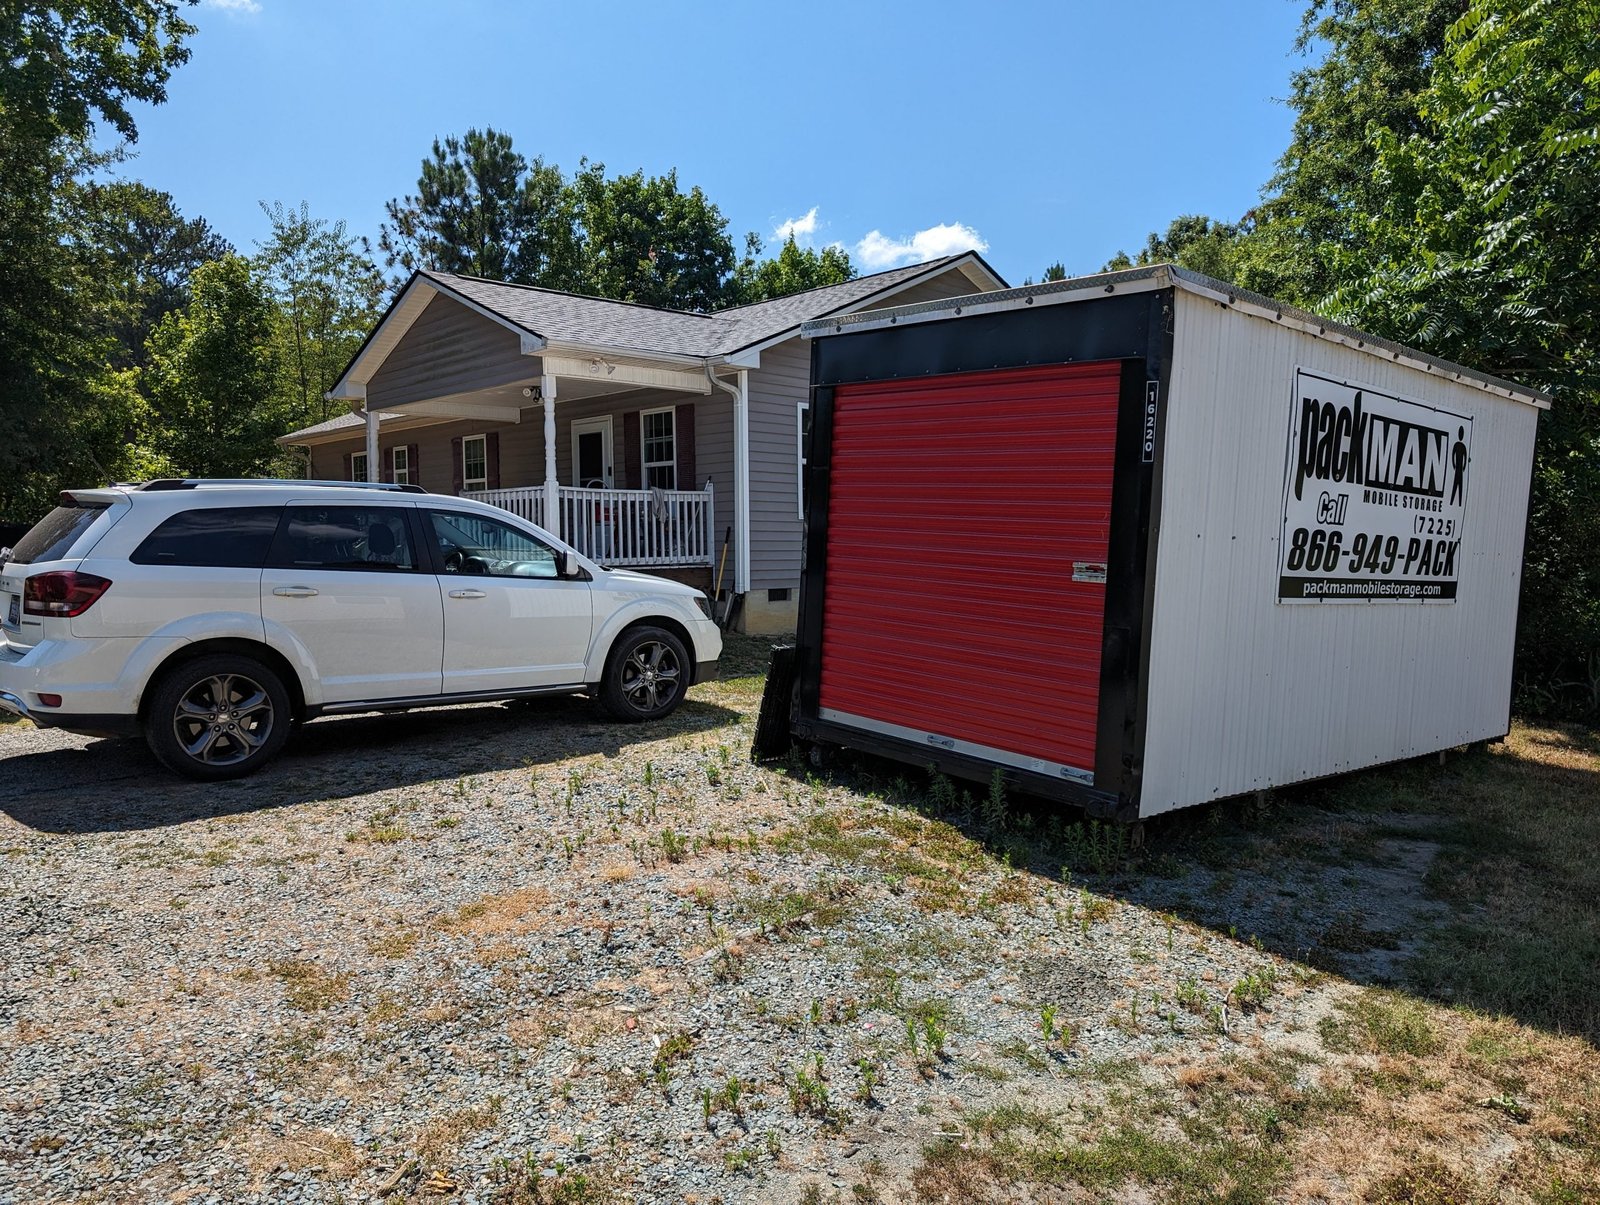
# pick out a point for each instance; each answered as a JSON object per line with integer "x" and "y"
{"x": 575, "y": 377}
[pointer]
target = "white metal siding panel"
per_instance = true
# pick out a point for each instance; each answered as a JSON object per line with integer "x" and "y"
{"x": 449, "y": 350}
{"x": 776, "y": 390}
{"x": 1246, "y": 694}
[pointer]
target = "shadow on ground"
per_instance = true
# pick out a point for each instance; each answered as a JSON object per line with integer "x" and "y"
{"x": 1471, "y": 883}
{"x": 116, "y": 785}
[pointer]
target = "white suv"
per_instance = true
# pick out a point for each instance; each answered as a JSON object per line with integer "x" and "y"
{"x": 212, "y": 616}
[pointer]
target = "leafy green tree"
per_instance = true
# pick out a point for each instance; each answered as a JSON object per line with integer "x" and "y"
{"x": 213, "y": 374}
{"x": 793, "y": 270}
{"x": 150, "y": 250}
{"x": 63, "y": 66}
{"x": 1366, "y": 84}
{"x": 482, "y": 209}
{"x": 646, "y": 240}
{"x": 1056, "y": 271}
{"x": 328, "y": 292}
{"x": 1482, "y": 247}
{"x": 1192, "y": 241}
{"x": 65, "y": 417}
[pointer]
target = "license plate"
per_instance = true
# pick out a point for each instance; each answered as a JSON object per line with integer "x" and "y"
{"x": 14, "y": 613}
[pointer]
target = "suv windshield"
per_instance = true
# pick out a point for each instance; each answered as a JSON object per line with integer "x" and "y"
{"x": 53, "y": 535}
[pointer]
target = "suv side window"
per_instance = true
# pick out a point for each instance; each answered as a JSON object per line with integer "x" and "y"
{"x": 236, "y": 537}
{"x": 478, "y": 546}
{"x": 376, "y": 538}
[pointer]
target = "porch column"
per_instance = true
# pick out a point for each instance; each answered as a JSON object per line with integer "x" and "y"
{"x": 373, "y": 473}
{"x": 552, "y": 488}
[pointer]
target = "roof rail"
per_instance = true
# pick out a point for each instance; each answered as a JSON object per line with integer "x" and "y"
{"x": 189, "y": 483}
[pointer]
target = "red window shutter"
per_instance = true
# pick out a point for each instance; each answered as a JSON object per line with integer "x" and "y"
{"x": 385, "y": 465}
{"x": 456, "y": 466}
{"x": 683, "y": 441}
{"x": 491, "y": 453}
{"x": 632, "y": 451}
{"x": 413, "y": 465}
{"x": 349, "y": 473}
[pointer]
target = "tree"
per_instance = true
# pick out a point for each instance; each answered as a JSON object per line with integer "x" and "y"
{"x": 1483, "y": 249}
{"x": 64, "y": 65}
{"x": 1378, "y": 62}
{"x": 1192, "y": 241}
{"x": 150, "y": 250}
{"x": 793, "y": 270}
{"x": 481, "y": 209}
{"x": 328, "y": 292}
{"x": 645, "y": 240}
{"x": 214, "y": 374}
{"x": 66, "y": 418}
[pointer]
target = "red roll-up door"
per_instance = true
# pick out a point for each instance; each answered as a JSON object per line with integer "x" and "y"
{"x": 957, "y": 508}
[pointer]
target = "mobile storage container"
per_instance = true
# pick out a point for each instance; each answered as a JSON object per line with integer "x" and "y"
{"x": 1142, "y": 540}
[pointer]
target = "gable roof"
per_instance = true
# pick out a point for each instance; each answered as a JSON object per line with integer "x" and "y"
{"x": 559, "y": 317}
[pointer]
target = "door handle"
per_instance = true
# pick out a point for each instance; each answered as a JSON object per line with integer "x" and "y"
{"x": 295, "y": 592}
{"x": 467, "y": 594}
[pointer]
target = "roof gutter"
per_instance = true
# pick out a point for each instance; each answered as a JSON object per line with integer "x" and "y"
{"x": 741, "y": 473}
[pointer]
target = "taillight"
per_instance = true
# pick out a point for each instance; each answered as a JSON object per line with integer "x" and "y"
{"x": 64, "y": 592}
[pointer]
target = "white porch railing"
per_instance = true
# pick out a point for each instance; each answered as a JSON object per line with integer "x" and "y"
{"x": 622, "y": 527}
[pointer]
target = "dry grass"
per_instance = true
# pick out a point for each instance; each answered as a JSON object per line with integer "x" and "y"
{"x": 509, "y": 915}
{"x": 1478, "y": 1086}
{"x": 308, "y": 987}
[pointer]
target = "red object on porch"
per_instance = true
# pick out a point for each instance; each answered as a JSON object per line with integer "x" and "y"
{"x": 967, "y": 499}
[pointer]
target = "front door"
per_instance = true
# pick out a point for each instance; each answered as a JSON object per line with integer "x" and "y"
{"x": 348, "y": 586}
{"x": 511, "y": 622}
{"x": 591, "y": 453}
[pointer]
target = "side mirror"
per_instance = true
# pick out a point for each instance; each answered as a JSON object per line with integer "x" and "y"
{"x": 569, "y": 564}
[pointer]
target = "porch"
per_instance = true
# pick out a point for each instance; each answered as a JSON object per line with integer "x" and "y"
{"x": 619, "y": 527}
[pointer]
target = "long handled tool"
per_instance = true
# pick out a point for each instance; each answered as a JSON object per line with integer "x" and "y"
{"x": 722, "y": 564}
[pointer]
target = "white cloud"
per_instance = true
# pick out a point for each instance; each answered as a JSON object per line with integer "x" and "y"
{"x": 877, "y": 250}
{"x": 234, "y": 7}
{"x": 800, "y": 229}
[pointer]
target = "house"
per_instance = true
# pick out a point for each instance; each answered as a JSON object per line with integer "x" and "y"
{"x": 645, "y": 437}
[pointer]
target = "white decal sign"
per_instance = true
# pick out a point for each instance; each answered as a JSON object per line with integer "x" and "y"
{"x": 1373, "y": 496}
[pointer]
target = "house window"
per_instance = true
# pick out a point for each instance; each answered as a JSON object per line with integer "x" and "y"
{"x": 802, "y": 443}
{"x": 400, "y": 464}
{"x": 474, "y": 463}
{"x": 659, "y": 435}
{"x": 358, "y": 466}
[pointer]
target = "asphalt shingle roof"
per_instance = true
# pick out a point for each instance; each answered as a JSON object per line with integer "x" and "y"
{"x": 570, "y": 318}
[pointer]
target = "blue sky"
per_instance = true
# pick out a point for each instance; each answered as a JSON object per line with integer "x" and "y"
{"x": 1037, "y": 131}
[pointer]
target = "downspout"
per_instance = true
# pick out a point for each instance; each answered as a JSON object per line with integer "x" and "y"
{"x": 741, "y": 474}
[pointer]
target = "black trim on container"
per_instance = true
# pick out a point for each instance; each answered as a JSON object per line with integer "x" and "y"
{"x": 1135, "y": 329}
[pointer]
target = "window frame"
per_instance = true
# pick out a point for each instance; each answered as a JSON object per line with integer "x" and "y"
{"x": 482, "y": 483}
{"x": 802, "y": 417}
{"x": 401, "y": 475}
{"x": 278, "y": 559}
{"x": 141, "y": 555}
{"x": 426, "y": 516}
{"x": 366, "y": 469}
{"x": 645, "y": 463}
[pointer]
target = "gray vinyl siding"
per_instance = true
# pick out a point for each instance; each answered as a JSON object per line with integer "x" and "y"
{"x": 946, "y": 284}
{"x": 776, "y": 390}
{"x": 450, "y": 350}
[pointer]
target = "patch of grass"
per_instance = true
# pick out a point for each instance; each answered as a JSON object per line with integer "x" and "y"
{"x": 395, "y": 944}
{"x": 1380, "y": 1022}
{"x": 1517, "y": 862}
{"x": 309, "y": 988}
{"x": 1234, "y": 1142}
{"x": 1426, "y": 1182}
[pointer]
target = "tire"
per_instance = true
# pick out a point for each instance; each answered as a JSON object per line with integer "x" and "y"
{"x": 647, "y": 675}
{"x": 243, "y": 737}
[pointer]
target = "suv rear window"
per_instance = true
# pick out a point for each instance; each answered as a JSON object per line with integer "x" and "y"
{"x": 223, "y": 537}
{"x": 52, "y": 536}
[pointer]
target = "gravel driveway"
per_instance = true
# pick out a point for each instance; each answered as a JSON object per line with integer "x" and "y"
{"x": 513, "y": 953}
